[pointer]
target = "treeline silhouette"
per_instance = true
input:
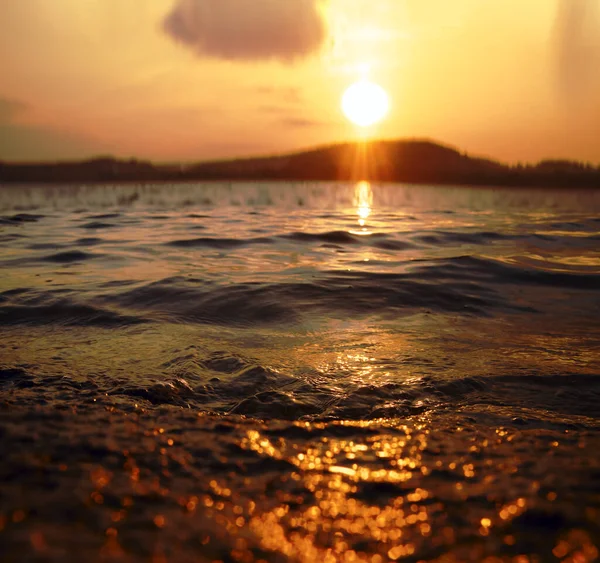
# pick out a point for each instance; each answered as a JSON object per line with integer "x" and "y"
{"x": 410, "y": 161}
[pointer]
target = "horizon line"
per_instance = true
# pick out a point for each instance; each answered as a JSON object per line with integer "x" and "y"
{"x": 291, "y": 152}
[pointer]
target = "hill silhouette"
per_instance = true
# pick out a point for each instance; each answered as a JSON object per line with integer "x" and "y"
{"x": 411, "y": 161}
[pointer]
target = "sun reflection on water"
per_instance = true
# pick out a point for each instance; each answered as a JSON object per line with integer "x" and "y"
{"x": 343, "y": 489}
{"x": 363, "y": 201}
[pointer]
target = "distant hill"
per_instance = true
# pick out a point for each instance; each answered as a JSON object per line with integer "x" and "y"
{"x": 410, "y": 161}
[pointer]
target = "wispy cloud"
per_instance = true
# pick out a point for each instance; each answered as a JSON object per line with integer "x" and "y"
{"x": 303, "y": 122}
{"x": 248, "y": 30}
{"x": 289, "y": 94}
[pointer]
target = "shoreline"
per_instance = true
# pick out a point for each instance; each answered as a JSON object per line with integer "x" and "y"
{"x": 392, "y": 161}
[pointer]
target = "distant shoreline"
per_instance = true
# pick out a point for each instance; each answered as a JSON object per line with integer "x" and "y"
{"x": 161, "y": 182}
{"x": 413, "y": 162}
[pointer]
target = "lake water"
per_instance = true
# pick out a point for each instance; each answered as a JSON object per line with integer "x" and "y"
{"x": 299, "y": 372}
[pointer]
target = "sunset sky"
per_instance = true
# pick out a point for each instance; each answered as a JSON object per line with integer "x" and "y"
{"x": 180, "y": 80}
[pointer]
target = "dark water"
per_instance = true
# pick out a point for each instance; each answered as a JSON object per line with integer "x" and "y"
{"x": 358, "y": 355}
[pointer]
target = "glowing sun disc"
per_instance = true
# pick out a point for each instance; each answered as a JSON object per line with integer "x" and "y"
{"x": 365, "y": 103}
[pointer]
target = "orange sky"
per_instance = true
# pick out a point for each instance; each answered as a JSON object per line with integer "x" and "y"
{"x": 194, "y": 79}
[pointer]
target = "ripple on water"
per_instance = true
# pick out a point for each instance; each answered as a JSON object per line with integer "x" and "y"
{"x": 97, "y": 225}
{"x": 69, "y": 257}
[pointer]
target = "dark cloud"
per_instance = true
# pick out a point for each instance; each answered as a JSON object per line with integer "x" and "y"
{"x": 577, "y": 32}
{"x": 248, "y": 30}
{"x": 287, "y": 108}
{"x": 282, "y": 116}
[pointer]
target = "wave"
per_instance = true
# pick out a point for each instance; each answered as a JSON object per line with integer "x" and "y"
{"x": 332, "y": 237}
{"x": 105, "y": 216}
{"x": 88, "y": 241}
{"x": 353, "y": 294}
{"x": 465, "y": 285}
{"x": 228, "y": 384}
{"x": 21, "y": 218}
{"x": 95, "y": 225}
{"x": 69, "y": 257}
{"x": 23, "y": 306}
{"x": 219, "y": 243}
{"x": 505, "y": 271}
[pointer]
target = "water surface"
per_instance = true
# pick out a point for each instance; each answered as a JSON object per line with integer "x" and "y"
{"x": 381, "y": 332}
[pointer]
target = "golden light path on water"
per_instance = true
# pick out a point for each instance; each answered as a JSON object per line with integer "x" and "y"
{"x": 355, "y": 492}
{"x": 363, "y": 200}
{"x": 332, "y": 471}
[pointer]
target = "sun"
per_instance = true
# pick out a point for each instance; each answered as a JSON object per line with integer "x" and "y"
{"x": 365, "y": 103}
